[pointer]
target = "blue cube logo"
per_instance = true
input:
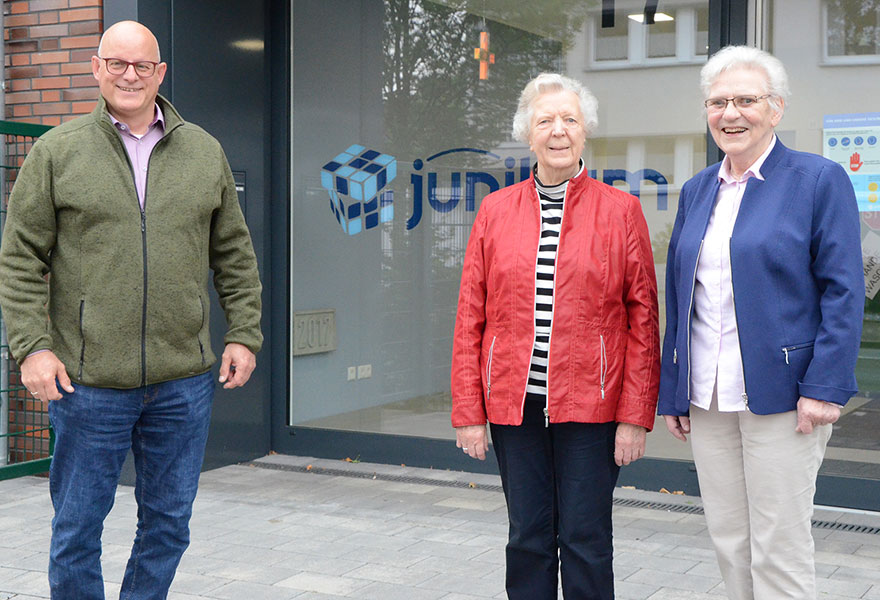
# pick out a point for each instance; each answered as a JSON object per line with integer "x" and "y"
{"x": 355, "y": 180}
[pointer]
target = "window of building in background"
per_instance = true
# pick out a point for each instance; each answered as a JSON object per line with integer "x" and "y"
{"x": 679, "y": 34}
{"x": 612, "y": 39}
{"x": 852, "y": 31}
{"x": 701, "y": 39}
{"x": 661, "y": 37}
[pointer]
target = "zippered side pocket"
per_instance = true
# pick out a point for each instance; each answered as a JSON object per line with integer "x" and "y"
{"x": 603, "y": 364}
{"x": 793, "y": 347}
{"x": 489, "y": 368}
{"x": 199, "y": 334}
{"x": 82, "y": 337}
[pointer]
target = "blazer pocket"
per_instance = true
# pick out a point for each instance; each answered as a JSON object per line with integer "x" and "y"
{"x": 798, "y": 357}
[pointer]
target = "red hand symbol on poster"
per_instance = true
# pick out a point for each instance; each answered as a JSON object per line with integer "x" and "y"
{"x": 855, "y": 162}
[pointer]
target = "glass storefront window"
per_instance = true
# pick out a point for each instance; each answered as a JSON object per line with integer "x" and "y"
{"x": 401, "y": 85}
{"x": 416, "y": 98}
{"x": 828, "y": 115}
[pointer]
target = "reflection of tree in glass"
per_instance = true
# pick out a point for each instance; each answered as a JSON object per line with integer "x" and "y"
{"x": 435, "y": 101}
{"x": 853, "y": 27}
{"x": 557, "y": 19}
{"x": 433, "y": 97}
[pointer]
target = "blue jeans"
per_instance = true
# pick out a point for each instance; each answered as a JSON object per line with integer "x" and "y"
{"x": 166, "y": 427}
{"x": 558, "y": 482}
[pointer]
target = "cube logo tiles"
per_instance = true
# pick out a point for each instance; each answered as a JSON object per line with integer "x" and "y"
{"x": 355, "y": 180}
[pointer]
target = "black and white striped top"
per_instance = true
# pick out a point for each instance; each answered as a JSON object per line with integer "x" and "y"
{"x": 552, "y": 199}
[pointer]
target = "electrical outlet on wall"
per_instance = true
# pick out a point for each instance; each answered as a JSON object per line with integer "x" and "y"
{"x": 364, "y": 371}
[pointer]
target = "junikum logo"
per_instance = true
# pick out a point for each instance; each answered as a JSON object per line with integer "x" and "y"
{"x": 359, "y": 173}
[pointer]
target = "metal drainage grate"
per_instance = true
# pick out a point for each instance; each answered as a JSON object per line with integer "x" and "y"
{"x": 690, "y": 509}
{"x": 846, "y": 527}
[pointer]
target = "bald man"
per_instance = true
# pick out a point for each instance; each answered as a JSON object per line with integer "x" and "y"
{"x": 128, "y": 209}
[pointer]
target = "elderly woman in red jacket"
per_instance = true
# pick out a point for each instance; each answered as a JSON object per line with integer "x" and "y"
{"x": 557, "y": 347}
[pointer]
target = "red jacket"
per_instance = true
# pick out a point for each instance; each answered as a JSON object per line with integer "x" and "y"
{"x": 604, "y": 362}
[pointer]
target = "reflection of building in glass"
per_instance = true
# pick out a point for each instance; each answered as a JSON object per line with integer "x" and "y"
{"x": 679, "y": 34}
{"x": 646, "y": 78}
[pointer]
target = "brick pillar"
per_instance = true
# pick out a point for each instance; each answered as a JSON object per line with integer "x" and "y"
{"x": 48, "y": 76}
{"x": 49, "y": 45}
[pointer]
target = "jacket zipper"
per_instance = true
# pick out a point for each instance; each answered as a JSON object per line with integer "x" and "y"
{"x": 82, "y": 335}
{"x": 488, "y": 367}
{"x": 144, "y": 304}
{"x": 690, "y": 313}
{"x": 603, "y": 364}
{"x": 143, "y": 211}
{"x": 745, "y": 396}
{"x": 552, "y": 296}
{"x": 522, "y": 404}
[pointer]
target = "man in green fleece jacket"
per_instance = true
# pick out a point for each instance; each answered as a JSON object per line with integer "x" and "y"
{"x": 128, "y": 210}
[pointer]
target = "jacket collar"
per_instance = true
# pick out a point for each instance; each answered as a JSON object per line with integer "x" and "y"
{"x": 580, "y": 181}
{"x": 767, "y": 167}
{"x": 773, "y": 158}
{"x": 170, "y": 114}
{"x": 533, "y": 179}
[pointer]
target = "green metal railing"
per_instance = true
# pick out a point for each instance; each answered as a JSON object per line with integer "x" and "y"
{"x": 26, "y": 438}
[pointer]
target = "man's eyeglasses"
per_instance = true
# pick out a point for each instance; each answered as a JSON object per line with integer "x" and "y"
{"x": 741, "y": 102}
{"x": 117, "y": 66}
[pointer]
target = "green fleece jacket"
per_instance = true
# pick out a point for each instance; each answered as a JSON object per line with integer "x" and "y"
{"x": 127, "y": 294}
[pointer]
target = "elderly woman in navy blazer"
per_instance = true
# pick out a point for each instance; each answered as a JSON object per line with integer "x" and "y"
{"x": 764, "y": 294}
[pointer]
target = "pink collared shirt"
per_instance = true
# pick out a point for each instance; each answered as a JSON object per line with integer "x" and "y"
{"x": 715, "y": 353}
{"x": 139, "y": 148}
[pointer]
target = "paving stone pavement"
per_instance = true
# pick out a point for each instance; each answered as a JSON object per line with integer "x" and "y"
{"x": 273, "y": 530}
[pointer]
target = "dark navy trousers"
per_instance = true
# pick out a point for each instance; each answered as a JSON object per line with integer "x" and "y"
{"x": 558, "y": 482}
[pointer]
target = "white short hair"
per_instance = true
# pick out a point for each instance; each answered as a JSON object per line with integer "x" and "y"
{"x": 553, "y": 82}
{"x": 734, "y": 57}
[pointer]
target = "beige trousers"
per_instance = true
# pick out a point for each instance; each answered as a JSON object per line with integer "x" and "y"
{"x": 757, "y": 480}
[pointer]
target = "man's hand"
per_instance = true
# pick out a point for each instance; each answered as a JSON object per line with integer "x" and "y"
{"x": 236, "y": 366}
{"x": 39, "y": 372}
{"x": 473, "y": 440}
{"x": 678, "y": 426}
{"x": 812, "y": 413}
{"x": 629, "y": 443}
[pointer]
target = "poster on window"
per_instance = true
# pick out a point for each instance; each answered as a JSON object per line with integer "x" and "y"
{"x": 853, "y": 141}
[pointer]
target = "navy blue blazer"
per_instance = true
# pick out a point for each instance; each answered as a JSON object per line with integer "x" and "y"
{"x": 798, "y": 283}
